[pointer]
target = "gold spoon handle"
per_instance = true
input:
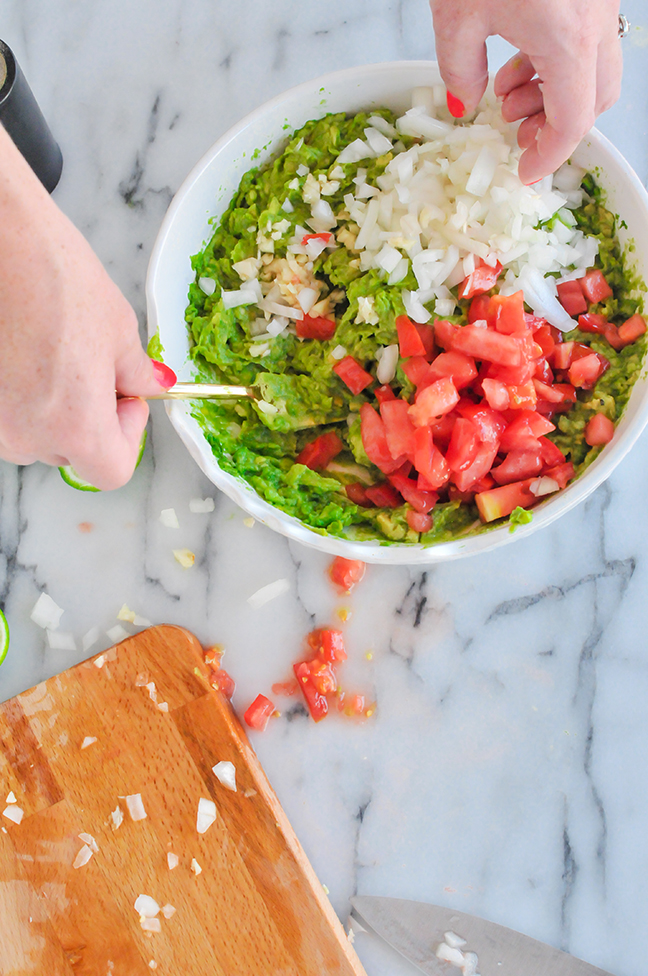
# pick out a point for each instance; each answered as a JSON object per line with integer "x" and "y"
{"x": 204, "y": 391}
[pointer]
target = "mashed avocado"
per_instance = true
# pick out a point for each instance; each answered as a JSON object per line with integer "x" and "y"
{"x": 297, "y": 374}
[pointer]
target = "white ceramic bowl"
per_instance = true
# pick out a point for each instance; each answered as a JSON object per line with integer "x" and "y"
{"x": 206, "y": 192}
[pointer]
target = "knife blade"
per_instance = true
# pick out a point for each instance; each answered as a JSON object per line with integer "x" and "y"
{"x": 416, "y": 930}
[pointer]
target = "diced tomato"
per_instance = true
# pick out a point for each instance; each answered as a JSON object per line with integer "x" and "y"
{"x": 409, "y": 341}
{"x": 509, "y": 313}
{"x": 353, "y": 706}
{"x": 433, "y": 401}
{"x": 592, "y": 322}
{"x": 345, "y": 573}
{"x": 546, "y": 392}
{"x": 634, "y": 327}
{"x": 444, "y": 333}
{"x": 562, "y": 354}
{"x": 460, "y": 368}
{"x": 465, "y": 480}
{"x": 486, "y": 344}
{"x": 285, "y": 688}
{"x": 511, "y": 375}
{"x": 442, "y": 430}
{"x": 516, "y": 466}
{"x": 490, "y": 423}
{"x": 353, "y": 375}
{"x": 418, "y": 521}
{"x": 399, "y": 429}
{"x": 374, "y": 441}
{"x": 481, "y": 310}
{"x": 498, "y": 502}
{"x": 523, "y": 396}
{"x": 259, "y": 712}
{"x": 421, "y": 501}
{"x": 315, "y": 327}
{"x": 543, "y": 372}
{"x": 562, "y": 473}
{"x": 595, "y": 287}
{"x": 599, "y": 430}
{"x": 384, "y": 495}
{"x": 586, "y": 371}
{"x": 550, "y": 453}
{"x": 534, "y": 322}
{"x": 464, "y": 444}
{"x": 221, "y": 681}
{"x": 426, "y": 334}
{"x": 568, "y": 400}
{"x": 545, "y": 340}
{"x": 485, "y": 483}
{"x": 481, "y": 280}
{"x": 454, "y": 495}
{"x": 384, "y": 392}
{"x": 316, "y": 701}
{"x": 416, "y": 369}
{"x": 571, "y": 297}
{"x": 356, "y": 493}
{"x": 328, "y": 643}
{"x": 320, "y": 452}
{"x": 323, "y": 235}
{"x": 523, "y": 432}
{"x": 496, "y": 394}
{"x": 428, "y": 459}
{"x": 423, "y": 484}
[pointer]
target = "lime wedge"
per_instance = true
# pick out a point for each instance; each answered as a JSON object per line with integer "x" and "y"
{"x": 70, "y": 477}
{"x": 4, "y": 637}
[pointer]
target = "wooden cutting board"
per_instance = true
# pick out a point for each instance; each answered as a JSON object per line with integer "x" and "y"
{"x": 256, "y": 909}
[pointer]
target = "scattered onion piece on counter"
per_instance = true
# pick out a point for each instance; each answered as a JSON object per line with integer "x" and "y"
{"x": 201, "y": 506}
{"x": 453, "y": 940}
{"x": 163, "y": 706}
{"x": 89, "y": 739}
{"x": 14, "y": 813}
{"x": 117, "y": 633}
{"x": 135, "y": 806}
{"x": 11, "y": 797}
{"x": 83, "y": 856}
{"x": 206, "y": 815}
{"x": 168, "y": 911}
{"x": 90, "y": 841}
{"x": 146, "y": 906}
{"x": 126, "y": 614}
{"x": 185, "y": 557}
{"x": 249, "y": 522}
{"x": 150, "y": 687}
{"x": 172, "y": 860}
{"x": 90, "y": 638}
{"x": 117, "y": 817}
{"x": 61, "y": 640}
{"x": 225, "y": 773}
{"x": 169, "y": 518}
{"x": 152, "y": 964}
{"x": 195, "y": 867}
{"x": 150, "y": 924}
{"x": 99, "y": 661}
{"x": 46, "y": 613}
{"x": 269, "y": 592}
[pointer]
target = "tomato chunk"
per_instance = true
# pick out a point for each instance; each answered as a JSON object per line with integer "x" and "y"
{"x": 481, "y": 310}
{"x": 496, "y": 394}
{"x": 374, "y": 440}
{"x": 595, "y": 287}
{"x": 468, "y": 478}
{"x": 486, "y": 344}
{"x": 518, "y": 465}
{"x": 464, "y": 444}
{"x": 482, "y": 279}
{"x": 460, "y": 368}
{"x": 221, "y": 681}
{"x": 426, "y": 334}
{"x": 258, "y": 714}
{"x": 571, "y": 297}
{"x": 428, "y": 459}
{"x": 316, "y": 701}
{"x": 416, "y": 369}
{"x": 320, "y": 452}
{"x": 399, "y": 429}
{"x": 384, "y": 495}
{"x": 498, "y": 502}
{"x": 418, "y": 521}
{"x": 315, "y": 327}
{"x": 353, "y": 375}
{"x": 586, "y": 371}
{"x": 409, "y": 341}
{"x": 345, "y": 573}
{"x": 421, "y": 501}
{"x": 509, "y": 313}
{"x": 433, "y": 401}
{"x": 561, "y": 473}
{"x": 599, "y": 430}
{"x": 632, "y": 329}
{"x": 357, "y": 493}
{"x": 384, "y": 392}
{"x": 444, "y": 332}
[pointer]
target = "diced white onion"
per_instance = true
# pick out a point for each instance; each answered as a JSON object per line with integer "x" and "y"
{"x": 206, "y": 815}
{"x": 269, "y": 592}
{"x": 234, "y": 299}
{"x": 150, "y": 924}
{"x": 185, "y": 557}
{"x": 482, "y": 172}
{"x": 169, "y": 518}
{"x": 90, "y": 841}
{"x": 146, "y": 906}
{"x": 46, "y": 613}
{"x": 287, "y": 206}
{"x": 172, "y": 860}
{"x": 544, "y": 486}
{"x": 453, "y": 940}
{"x": 354, "y": 152}
{"x": 200, "y": 506}
{"x": 168, "y": 911}
{"x": 117, "y": 817}
{"x": 225, "y": 773}
{"x": 207, "y": 285}
{"x": 268, "y": 409}
{"x": 11, "y": 797}
{"x": 339, "y": 352}
{"x": 14, "y": 813}
{"x": 414, "y": 307}
{"x": 83, "y": 856}
{"x": 116, "y": 634}
{"x": 307, "y": 298}
{"x": 276, "y": 309}
{"x": 61, "y": 640}
{"x": 88, "y": 741}
{"x": 386, "y": 369}
{"x": 378, "y": 141}
{"x": 448, "y": 954}
{"x": 135, "y": 806}
{"x": 302, "y": 170}
{"x": 195, "y": 867}
{"x": 90, "y": 638}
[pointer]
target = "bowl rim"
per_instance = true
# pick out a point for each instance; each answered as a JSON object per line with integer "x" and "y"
{"x": 394, "y": 553}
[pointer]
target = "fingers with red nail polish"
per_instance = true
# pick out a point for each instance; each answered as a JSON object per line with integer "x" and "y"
{"x": 455, "y": 106}
{"x": 164, "y": 374}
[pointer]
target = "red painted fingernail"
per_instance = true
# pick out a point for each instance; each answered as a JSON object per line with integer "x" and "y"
{"x": 455, "y": 106}
{"x": 164, "y": 374}
{"x": 533, "y": 182}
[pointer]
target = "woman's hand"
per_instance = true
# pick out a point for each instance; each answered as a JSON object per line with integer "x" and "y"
{"x": 567, "y": 71}
{"x": 68, "y": 341}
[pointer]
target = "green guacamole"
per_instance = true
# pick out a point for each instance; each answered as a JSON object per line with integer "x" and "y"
{"x": 261, "y": 449}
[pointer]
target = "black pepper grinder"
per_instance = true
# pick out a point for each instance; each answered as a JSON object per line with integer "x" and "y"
{"x": 24, "y": 122}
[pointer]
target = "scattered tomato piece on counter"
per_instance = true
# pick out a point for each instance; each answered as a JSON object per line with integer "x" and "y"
{"x": 258, "y": 714}
{"x": 346, "y": 573}
{"x": 328, "y": 644}
{"x": 285, "y": 688}
{"x": 221, "y": 681}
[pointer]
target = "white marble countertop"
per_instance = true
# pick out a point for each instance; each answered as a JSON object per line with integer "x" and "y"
{"x": 505, "y": 770}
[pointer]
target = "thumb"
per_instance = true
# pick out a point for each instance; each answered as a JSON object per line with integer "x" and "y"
{"x": 460, "y": 38}
{"x": 139, "y": 376}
